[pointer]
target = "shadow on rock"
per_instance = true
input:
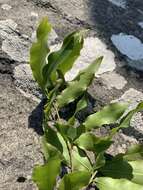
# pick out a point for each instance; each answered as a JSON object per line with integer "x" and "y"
{"x": 36, "y": 117}
{"x": 109, "y": 18}
{"x": 132, "y": 132}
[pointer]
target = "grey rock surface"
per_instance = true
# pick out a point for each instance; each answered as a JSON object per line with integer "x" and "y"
{"x": 6, "y": 7}
{"x": 19, "y": 144}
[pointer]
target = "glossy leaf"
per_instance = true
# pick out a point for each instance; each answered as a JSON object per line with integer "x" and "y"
{"x": 45, "y": 176}
{"x": 39, "y": 51}
{"x": 64, "y": 59}
{"x": 107, "y": 183}
{"x": 108, "y": 115}
{"x": 125, "y": 121}
{"x": 120, "y": 168}
{"x": 89, "y": 141}
{"x": 79, "y": 85}
{"x": 75, "y": 180}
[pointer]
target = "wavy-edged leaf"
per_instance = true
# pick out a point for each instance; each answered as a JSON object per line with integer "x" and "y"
{"x": 39, "y": 51}
{"x": 64, "y": 59}
{"x": 125, "y": 121}
{"x": 75, "y": 180}
{"x": 79, "y": 84}
{"x": 120, "y": 168}
{"x": 45, "y": 176}
{"x": 108, "y": 115}
{"x": 107, "y": 183}
{"x": 90, "y": 142}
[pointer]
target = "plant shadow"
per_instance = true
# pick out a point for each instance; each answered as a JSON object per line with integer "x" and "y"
{"x": 36, "y": 117}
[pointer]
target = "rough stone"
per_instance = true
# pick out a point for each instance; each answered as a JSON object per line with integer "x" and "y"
{"x": 14, "y": 45}
{"x": 69, "y": 8}
{"x": 113, "y": 80}
{"x": 6, "y": 7}
{"x": 16, "y": 48}
{"x": 24, "y": 81}
{"x": 132, "y": 95}
{"x": 121, "y": 143}
{"x": 7, "y": 27}
{"x": 19, "y": 144}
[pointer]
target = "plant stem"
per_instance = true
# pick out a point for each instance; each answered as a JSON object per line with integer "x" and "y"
{"x": 92, "y": 177}
{"x": 55, "y": 107}
{"x": 70, "y": 155}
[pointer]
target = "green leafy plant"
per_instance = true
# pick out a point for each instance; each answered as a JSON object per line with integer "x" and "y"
{"x": 67, "y": 143}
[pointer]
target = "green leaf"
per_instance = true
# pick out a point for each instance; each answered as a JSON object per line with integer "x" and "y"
{"x": 45, "y": 176}
{"x": 107, "y": 183}
{"x": 68, "y": 132}
{"x": 50, "y": 151}
{"x": 108, "y": 115}
{"x": 82, "y": 104}
{"x": 135, "y": 152}
{"x": 75, "y": 180}
{"x": 79, "y": 85}
{"x": 125, "y": 121}
{"x": 90, "y": 142}
{"x": 120, "y": 168}
{"x": 64, "y": 59}
{"x": 100, "y": 161}
{"x": 80, "y": 160}
{"x": 39, "y": 51}
{"x": 55, "y": 146}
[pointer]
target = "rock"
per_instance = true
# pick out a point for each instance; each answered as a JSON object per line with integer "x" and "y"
{"x": 69, "y": 8}
{"x": 13, "y": 44}
{"x": 7, "y": 27}
{"x": 133, "y": 96}
{"x": 119, "y": 3}
{"x": 16, "y": 48}
{"x": 25, "y": 83}
{"x": 131, "y": 47}
{"x": 19, "y": 143}
{"x": 113, "y": 80}
{"x": 6, "y": 7}
{"x": 93, "y": 48}
{"x": 121, "y": 143}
